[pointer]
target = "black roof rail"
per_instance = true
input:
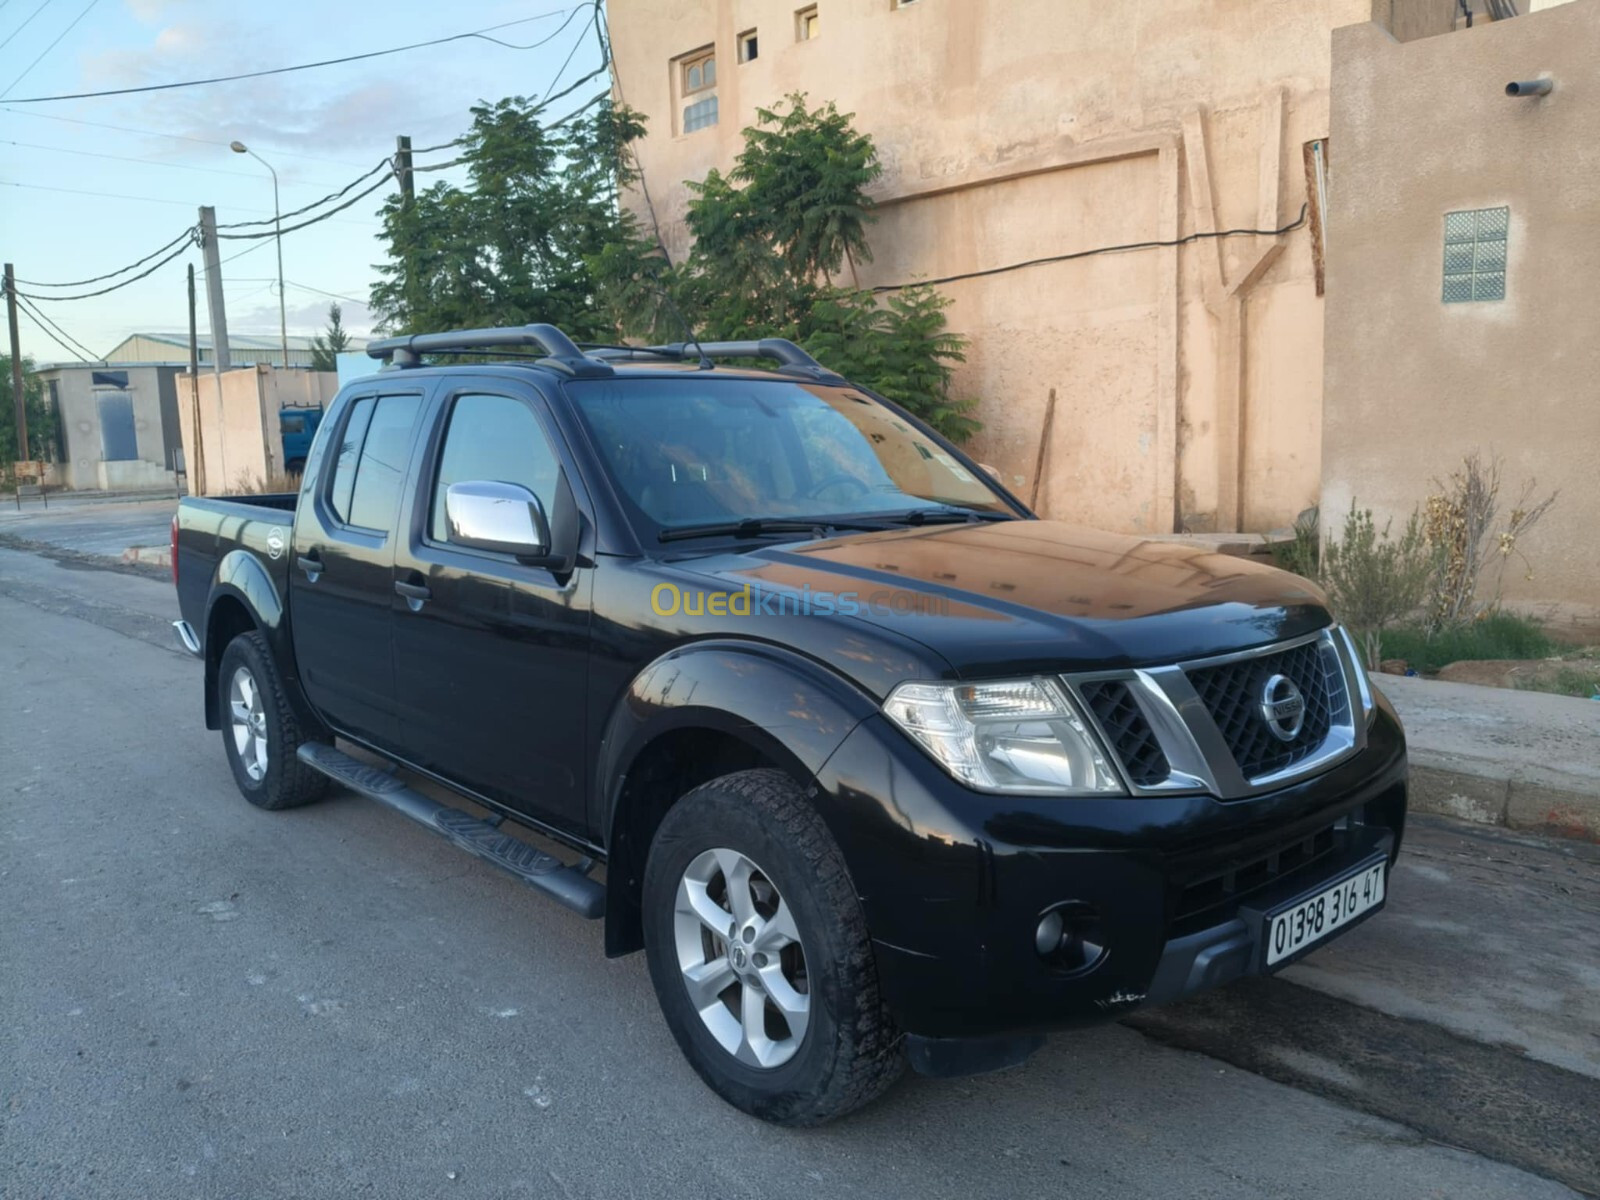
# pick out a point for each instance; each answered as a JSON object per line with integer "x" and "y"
{"x": 562, "y": 353}
{"x": 791, "y": 359}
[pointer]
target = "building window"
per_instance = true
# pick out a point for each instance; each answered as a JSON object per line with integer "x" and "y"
{"x": 806, "y": 26}
{"x": 748, "y": 46}
{"x": 700, "y": 114}
{"x": 1475, "y": 254}
{"x": 901, "y": 3}
{"x": 699, "y": 73}
{"x": 697, "y": 84}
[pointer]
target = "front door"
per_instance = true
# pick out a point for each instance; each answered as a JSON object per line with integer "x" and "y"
{"x": 341, "y": 576}
{"x": 491, "y": 655}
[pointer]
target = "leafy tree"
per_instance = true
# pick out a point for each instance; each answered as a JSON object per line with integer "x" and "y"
{"x": 43, "y": 436}
{"x": 326, "y": 348}
{"x": 769, "y": 239}
{"x": 514, "y": 246}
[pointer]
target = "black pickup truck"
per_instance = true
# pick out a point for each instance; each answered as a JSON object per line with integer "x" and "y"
{"x": 870, "y": 762}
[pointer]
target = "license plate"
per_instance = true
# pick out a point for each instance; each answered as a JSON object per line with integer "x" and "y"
{"x": 1328, "y": 911}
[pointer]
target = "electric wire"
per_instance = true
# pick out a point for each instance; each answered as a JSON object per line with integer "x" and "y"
{"x": 46, "y": 331}
{"x": 25, "y": 24}
{"x": 1059, "y": 258}
{"x": 28, "y": 70}
{"x": 320, "y": 217}
{"x": 178, "y": 137}
{"x": 186, "y": 234}
{"x": 47, "y": 325}
{"x": 385, "y": 164}
{"x": 152, "y": 162}
{"x": 328, "y": 62}
{"x": 114, "y": 287}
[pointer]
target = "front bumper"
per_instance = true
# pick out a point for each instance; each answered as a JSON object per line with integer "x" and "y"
{"x": 953, "y": 883}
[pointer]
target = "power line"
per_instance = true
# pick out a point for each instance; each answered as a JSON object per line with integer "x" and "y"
{"x": 25, "y": 24}
{"x": 40, "y": 56}
{"x": 153, "y": 162}
{"x": 134, "y": 279}
{"x": 180, "y": 137}
{"x": 327, "y": 62}
{"x": 266, "y": 233}
{"x": 382, "y": 165}
{"x": 47, "y": 325}
{"x": 41, "y": 187}
{"x": 187, "y": 234}
{"x": 1060, "y": 258}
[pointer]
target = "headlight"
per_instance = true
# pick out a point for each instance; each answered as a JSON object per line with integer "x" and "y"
{"x": 1021, "y": 735}
{"x": 1358, "y": 668}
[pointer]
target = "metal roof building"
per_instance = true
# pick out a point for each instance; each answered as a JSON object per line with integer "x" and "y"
{"x": 245, "y": 349}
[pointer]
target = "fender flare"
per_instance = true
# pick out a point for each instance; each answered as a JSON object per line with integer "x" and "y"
{"x": 241, "y": 577}
{"x": 792, "y": 710}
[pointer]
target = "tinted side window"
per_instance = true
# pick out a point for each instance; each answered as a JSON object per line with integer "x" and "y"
{"x": 344, "y": 467}
{"x": 375, "y": 500}
{"x": 495, "y": 439}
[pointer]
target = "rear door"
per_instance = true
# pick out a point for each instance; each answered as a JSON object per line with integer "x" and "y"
{"x": 491, "y": 655}
{"x": 341, "y": 576}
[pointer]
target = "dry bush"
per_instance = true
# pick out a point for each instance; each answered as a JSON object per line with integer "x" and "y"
{"x": 1460, "y": 522}
{"x": 252, "y": 483}
{"x": 1375, "y": 580}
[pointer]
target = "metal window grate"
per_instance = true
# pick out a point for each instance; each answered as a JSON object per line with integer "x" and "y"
{"x": 1475, "y": 254}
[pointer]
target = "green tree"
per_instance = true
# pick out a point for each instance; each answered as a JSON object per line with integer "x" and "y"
{"x": 769, "y": 239}
{"x": 42, "y": 433}
{"x": 326, "y": 347}
{"x": 514, "y": 246}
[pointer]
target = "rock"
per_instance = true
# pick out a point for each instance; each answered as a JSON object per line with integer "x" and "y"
{"x": 1392, "y": 666}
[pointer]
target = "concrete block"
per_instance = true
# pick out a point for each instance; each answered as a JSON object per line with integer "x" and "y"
{"x": 1466, "y": 797}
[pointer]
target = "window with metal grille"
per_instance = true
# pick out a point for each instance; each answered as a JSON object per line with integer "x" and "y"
{"x": 1475, "y": 254}
{"x": 700, "y": 114}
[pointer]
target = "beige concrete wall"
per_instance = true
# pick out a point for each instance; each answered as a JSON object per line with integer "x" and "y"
{"x": 1413, "y": 384}
{"x": 77, "y": 396}
{"x": 241, "y": 438}
{"x": 1188, "y": 380}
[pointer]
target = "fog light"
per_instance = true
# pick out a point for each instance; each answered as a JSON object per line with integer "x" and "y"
{"x": 1070, "y": 939}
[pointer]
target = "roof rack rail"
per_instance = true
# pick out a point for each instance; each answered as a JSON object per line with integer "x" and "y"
{"x": 562, "y": 353}
{"x": 791, "y": 359}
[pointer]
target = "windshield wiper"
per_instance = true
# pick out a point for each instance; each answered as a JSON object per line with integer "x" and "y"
{"x": 757, "y": 526}
{"x": 946, "y": 516}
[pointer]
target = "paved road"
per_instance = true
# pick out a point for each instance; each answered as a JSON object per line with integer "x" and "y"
{"x": 204, "y": 1000}
{"x": 90, "y": 526}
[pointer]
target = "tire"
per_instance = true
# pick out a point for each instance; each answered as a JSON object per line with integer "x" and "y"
{"x": 260, "y": 732}
{"x": 849, "y": 1051}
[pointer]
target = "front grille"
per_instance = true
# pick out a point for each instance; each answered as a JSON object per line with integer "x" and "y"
{"x": 1126, "y": 729}
{"x": 1232, "y": 693}
{"x": 1197, "y": 899}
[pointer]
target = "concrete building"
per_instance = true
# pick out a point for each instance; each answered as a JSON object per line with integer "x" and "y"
{"x": 118, "y": 423}
{"x": 245, "y": 349}
{"x": 1463, "y": 274}
{"x": 1187, "y": 379}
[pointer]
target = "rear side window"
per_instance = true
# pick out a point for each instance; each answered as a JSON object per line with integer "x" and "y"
{"x": 292, "y": 424}
{"x": 381, "y": 468}
{"x": 495, "y": 439}
{"x": 344, "y": 467}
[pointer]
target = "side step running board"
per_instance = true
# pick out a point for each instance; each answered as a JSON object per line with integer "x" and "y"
{"x": 567, "y": 885}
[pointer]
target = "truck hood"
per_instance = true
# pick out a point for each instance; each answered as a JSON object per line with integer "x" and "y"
{"x": 1019, "y": 597}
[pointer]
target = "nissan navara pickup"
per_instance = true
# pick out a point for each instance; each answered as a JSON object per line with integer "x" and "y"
{"x": 874, "y": 765}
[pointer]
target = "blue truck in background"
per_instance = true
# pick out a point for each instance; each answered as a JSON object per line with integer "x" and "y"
{"x": 298, "y": 427}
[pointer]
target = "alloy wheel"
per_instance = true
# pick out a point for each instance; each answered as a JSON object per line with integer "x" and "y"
{"x": 249, "y": 723}
{"x": 741, "y": 959}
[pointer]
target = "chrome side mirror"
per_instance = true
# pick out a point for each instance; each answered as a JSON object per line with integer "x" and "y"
{"x": 497, "y": 516}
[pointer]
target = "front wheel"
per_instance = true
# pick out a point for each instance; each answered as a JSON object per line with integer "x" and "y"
{"x": 759, "y": 953}
{"x": 260, "y": 732}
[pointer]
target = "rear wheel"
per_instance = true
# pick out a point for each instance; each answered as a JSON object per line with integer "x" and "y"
{"x": 260, "y": 732}
{"x": 760, "y": 956}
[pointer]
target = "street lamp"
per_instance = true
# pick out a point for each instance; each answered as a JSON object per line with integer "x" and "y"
{"x": 277, "y": 220}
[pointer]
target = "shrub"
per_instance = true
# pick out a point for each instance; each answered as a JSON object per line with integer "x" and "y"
{"x": 1374, "y": 579}
{"x": 1499, "y": 635}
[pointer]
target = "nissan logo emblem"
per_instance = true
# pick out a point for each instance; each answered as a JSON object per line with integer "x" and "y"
{"x": 1283, "y": 708}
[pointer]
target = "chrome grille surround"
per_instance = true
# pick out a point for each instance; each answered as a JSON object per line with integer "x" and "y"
{"x": 1187, "y": 721}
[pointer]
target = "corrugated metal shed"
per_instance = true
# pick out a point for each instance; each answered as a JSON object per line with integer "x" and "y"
{"x": 245, "y": 349}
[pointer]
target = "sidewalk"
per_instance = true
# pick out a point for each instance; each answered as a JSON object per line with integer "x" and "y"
{"x": 1527, "y": 760}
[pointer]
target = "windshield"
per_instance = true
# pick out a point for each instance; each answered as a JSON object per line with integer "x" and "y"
{"x": 702, "y": 450}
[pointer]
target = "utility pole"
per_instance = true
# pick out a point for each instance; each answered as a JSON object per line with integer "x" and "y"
{"x": 402, "y": 169}
{"x": 220, "y": 358}
{"x": 16, "y": 367}
{"x": 197, "y": 469}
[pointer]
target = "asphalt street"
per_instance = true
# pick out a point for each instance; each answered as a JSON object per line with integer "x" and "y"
{"x": 203, "y": 1000}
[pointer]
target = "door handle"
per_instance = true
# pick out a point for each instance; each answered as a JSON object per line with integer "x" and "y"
{"x": 416, "y": 593}
{"x": 310, "y": 564}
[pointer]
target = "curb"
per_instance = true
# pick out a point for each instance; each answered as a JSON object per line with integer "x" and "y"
{"x": 154, "y": 556}
{"x": 1520, "y": 804}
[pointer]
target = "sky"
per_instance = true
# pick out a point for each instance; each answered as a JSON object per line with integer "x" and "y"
{"x": 78, "y": 199}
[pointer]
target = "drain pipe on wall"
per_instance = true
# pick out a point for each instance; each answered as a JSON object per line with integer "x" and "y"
{"x": 1530, "y": 87}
